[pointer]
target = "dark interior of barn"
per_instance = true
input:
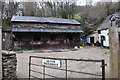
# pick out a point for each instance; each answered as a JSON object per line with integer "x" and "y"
{"x": 39, "y": 40}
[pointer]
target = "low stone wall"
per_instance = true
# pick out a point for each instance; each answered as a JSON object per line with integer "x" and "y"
{"x": 9, "y": 63}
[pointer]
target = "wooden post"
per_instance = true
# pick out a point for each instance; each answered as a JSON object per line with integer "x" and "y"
{"x": 0, "y": 52}
{"x": 114, "y": 53}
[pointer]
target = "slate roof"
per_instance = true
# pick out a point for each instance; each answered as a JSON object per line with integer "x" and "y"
{"x": 117, "y": 15}
{"x": 43, "y": 20}
{"x": 105, "y": 24}
{"x": 115, "y": 18}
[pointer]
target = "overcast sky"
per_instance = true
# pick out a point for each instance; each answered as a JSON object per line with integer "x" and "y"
{"x": 83, "y": 2}
{"x": 79, "y": 2}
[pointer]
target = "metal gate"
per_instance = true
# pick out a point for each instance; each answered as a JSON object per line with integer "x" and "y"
{"x": 102, "y": 61}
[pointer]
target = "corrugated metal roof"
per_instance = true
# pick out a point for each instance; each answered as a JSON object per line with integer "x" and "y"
{"x": 17, "y": 28}
{"x": 43, "y": 20}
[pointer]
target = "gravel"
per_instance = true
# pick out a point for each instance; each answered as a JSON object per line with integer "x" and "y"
{"x": 76, "y": 69}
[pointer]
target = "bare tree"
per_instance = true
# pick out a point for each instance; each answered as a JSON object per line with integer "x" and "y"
{"x": 8, "y": 10}
{"x": 30, "y": 8}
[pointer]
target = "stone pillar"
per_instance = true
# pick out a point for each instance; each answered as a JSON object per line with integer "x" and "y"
{"x": 114, "y": 52}
{"x": 9, "y": 63}
{"x": 0, "y": 52}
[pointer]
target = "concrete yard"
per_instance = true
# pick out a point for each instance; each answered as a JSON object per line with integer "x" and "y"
{"x": 78, "y": 69}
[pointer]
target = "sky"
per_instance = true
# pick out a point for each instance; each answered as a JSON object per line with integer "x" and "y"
{"x": 79, "y": 2}
{"x": 83, "y": 2}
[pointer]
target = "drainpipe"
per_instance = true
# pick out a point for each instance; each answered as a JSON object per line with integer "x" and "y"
{"x": 0, "y": 52}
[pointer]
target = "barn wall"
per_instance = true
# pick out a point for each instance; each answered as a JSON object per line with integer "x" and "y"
{"x": 45, "y": 40}
{"x": 46, "y": 25}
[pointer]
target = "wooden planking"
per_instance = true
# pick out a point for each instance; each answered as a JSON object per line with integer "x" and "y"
{"x": 46, "y": 25}
{"x": 61, "y": 40}
{"x": 114, "y": 52}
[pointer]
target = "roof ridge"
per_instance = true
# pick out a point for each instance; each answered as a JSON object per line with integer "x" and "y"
{"x": 42, "y": 17}
{"x": 43, "y": 20}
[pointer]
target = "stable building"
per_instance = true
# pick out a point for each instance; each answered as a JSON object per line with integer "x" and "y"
{"x": 45, "y": 33}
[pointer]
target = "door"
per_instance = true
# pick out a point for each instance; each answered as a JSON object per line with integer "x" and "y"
{"x": 92, "y": 40}
{"x": 102, "y": 40}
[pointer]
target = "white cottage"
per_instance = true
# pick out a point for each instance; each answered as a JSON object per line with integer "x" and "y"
{"x": 102, "y": 33}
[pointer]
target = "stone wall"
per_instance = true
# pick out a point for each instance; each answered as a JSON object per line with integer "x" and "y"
{"x": 9, "y": 63}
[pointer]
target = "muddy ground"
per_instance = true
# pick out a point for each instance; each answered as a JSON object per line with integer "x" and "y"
{"x": 76, "y": 69}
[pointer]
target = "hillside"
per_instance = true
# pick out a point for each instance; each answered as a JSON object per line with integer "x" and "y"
{"x": 90, "y": 15}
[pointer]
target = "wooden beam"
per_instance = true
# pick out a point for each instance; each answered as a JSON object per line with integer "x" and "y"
{"x": 114, "y": 52}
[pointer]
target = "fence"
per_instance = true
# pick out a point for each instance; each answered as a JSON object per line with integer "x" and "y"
{"x": 66, "y": 70}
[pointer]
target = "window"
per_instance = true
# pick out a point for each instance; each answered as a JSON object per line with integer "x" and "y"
{"x": 99, "y": 32}
{"x": 103, "y": 37}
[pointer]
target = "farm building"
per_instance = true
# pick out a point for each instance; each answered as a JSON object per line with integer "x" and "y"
{"x": 93, "y": 38}
{"x": 102, "y": 33}
{"x": 41, "y": 32}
